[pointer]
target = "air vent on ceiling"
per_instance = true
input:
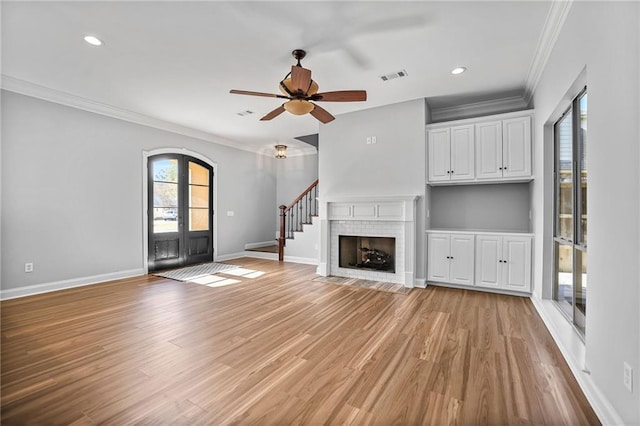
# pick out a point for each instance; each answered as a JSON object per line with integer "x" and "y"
{"x": 244, "y": 113}
{"x": 394, "y": 75}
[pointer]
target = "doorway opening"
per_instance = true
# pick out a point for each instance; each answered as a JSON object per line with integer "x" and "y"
{"x": 180, "y": 211}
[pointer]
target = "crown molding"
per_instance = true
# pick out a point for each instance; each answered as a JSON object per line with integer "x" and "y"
{"x": 476, "y": 109}
{"x": 27, "y": 88}
{"x": 553, "y": 25}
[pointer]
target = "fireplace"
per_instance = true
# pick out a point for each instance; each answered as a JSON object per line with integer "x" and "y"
{"x": 369, "y": 253}
{"x": 361, "y": 236}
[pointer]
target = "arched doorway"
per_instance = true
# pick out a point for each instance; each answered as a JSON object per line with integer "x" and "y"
{"x": 180, "y": 211}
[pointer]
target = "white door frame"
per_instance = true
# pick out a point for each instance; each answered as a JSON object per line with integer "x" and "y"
{"x": 145, "y": 197}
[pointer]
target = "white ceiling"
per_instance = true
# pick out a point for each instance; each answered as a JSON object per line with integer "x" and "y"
{"x": 177, "y": 61}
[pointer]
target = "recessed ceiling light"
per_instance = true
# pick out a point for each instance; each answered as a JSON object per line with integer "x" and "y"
{"x": 93, "y": 40}
{"x": 458, "y": 70}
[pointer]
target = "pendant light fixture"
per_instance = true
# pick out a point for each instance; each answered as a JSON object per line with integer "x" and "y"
{"x": 281, "y": 151}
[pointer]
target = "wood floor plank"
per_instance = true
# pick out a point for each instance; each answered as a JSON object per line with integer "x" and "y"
{"x": 279, "y": 347}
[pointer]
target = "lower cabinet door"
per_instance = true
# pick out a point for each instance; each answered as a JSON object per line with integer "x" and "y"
{"x": 517, "y": 266}
{"x": 438, "y": 257}
{"x": 488, "y": 261}
{"x": 462, "y": 265}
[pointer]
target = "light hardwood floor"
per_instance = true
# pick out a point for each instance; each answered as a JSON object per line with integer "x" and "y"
{"x": 280, "y": 349}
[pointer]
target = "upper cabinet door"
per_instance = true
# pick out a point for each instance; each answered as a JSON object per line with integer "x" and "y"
{"x": 489, "y": 150}
{"x": 516, "y": 147}
{"x": 439, "y": 142}
{"x": 462, "y": 152}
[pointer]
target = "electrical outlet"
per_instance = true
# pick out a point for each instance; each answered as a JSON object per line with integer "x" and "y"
{"x": 28, "y": 267}
{"x": 374, "y": 139}
{"x": 368, "y": 140}
{"x": 231, "y": 213}
{"x": 628, "y": 377}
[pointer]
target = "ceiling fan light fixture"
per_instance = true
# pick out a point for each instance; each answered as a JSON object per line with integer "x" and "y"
{"x": 288, "y": 90}
{"x": 299, "y": 106}
{"x": 458, "y": 70}
{"x": 281, "y": 151}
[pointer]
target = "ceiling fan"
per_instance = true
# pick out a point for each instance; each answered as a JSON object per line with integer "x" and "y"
{"x": 301, "y": 90}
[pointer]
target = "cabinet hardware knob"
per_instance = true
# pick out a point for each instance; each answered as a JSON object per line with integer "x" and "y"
{"x": 448, "y": 171}
{"x": 504, "y": 168}
{"x": 499, "y": 168}
{"x": 451, "y": 171}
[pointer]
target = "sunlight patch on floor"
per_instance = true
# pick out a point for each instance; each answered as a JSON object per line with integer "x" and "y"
{"x": 207, "y": 279}
{"x": 244, "y": 273}
{"x": 224, "y": 282}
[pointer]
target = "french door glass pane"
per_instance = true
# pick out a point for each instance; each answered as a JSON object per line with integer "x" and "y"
{"x": 564, "y": 277}
{"x": 165, "y": 170}
{"x": 198, "y": 175}
{"x": 199, "y": 196}
{"x": 564, "y": 141}
{"x": 582, "y": 104}
{"x": 198, "y": 219}
{"x": 165, "y": 196}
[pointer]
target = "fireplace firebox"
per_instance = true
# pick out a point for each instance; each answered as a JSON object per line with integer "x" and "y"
{"x": 372, "y": 253}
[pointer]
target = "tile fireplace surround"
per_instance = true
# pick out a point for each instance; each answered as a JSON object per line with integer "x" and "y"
{"x": 372, "y": 216}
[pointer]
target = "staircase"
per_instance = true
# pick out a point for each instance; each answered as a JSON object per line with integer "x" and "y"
{"x": 298, "y": 217}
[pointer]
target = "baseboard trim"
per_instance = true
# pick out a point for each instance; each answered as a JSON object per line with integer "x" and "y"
{"x": 260, "y": 244}
{"x": 230, "y": 256}
{"x": 304, "y": 260}
{"x": 573, "y": 350}
{"x": 482, "y": 289}
{"x": 14, "y": 293}
{"x": 420, "y": 283}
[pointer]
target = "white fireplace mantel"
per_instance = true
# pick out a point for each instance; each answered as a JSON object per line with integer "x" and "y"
{"x": 380, "y": 216}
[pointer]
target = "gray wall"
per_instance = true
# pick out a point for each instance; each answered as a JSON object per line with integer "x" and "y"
{"x": 487, "y": 207}
{"x": 72, "y": 192}
{"x": 604, "y": 38}
{"x": 295, "y": 174}
{"x": 395, "y": 165}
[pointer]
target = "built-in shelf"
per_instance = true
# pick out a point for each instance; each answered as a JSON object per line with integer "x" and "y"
{"x": 480, "y": 231}
{"x": 505, "y": 207}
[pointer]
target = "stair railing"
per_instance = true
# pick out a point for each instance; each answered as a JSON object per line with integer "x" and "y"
{"x": 296, "y": 214}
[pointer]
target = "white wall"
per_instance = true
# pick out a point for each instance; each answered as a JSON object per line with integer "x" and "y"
{"x": 603, "y": 37}
{"x": 395, "y": 165}
{"x": 72, "y": 192}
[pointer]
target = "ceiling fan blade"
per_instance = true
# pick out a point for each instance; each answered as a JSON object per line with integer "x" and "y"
{"x": 300, "y": 78}
{"x": 266, "y": 95}
{"x": 273, "y": 114}
{"x": 321, "y": 114}
{"x": 341, "y": 96}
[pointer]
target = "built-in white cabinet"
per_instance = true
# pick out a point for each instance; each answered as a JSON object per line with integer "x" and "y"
{"x": 480, "y": 150}
{"x": 450, "y": 258}
{"x": 503, "y": 262}
{"x": 451, "y": 153}
{"x": 498, "y": 261}
{"x": 503, "y": 148}
{"x": 489, "y": 146}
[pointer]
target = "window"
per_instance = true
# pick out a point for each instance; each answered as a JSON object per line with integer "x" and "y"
{"x": 570, "y": 210}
